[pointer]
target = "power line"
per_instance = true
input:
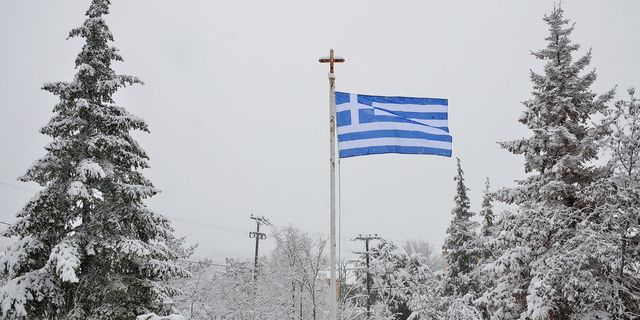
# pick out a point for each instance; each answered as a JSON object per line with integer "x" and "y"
{"x": 209, "y": 225}
{"x": 219, "y": 227}
{"x": 19, "y": 188}
{"x": 203, "y": 262}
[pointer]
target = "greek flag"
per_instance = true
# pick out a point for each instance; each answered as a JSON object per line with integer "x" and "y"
{"x": 376, "y": 124}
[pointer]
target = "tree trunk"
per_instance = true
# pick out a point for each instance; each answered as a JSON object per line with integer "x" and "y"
{"x": 293, "y": 300}
{"x": 623, "y": 249}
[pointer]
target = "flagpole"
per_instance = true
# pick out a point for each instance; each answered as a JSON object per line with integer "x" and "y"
{"x": 332, "y": 180}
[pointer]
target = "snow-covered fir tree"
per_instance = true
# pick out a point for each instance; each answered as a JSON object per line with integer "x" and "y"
{"x": 404, "y": 287}
{"x": 485, "y": 243}
{"x": 460, "y": 242}
{"x": 601, "y": 262}
{"x": 539, "y": 271}
{"x": 386, "y": 261}
{"x": 395, "y": 277}
{"x": 624, "y": 143}
{"x": 429, "y": 299}
{"x": 563, "y": 142}
{"x": 603, "y": 258}
{"x": 487, "y": 210}
{"x": 88, "y": 246}
{"x": 625, "y": 164}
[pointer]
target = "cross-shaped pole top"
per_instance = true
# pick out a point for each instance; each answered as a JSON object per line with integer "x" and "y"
{"x": 331, "y": 59}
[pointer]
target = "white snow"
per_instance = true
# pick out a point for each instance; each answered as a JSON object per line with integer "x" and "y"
{"x": 77, "y": 189}
{"x": 153, "y": 316}
{"x": 65, "y": 256}
{"x": 88, "y": 169}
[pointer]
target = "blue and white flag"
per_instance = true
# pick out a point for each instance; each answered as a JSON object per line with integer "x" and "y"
{"x": 376, "y": 124}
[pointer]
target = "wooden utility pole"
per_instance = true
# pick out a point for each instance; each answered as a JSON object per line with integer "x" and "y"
{"x": 366, "y": 239}
{"x": 331, "y": 60}
{"x": 258, "y": 236}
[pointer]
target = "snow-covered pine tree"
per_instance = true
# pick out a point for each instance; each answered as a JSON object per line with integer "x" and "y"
{"x": 460, "y": 242}
{"x": 625, "y": 138}
{"x": 88, "y": 246}
{"x": 529, "y": 272}
{"x": 387, "y": 286}
{"x": 487, "y": 210}
{"x": 602, "y": 260}
{"x": 485, "y": 242}
{"x": 563, "y": 142}
{"x": 449, "y": 293}
{"x": 624, "y": 187}
{"x": 398, "y": 279}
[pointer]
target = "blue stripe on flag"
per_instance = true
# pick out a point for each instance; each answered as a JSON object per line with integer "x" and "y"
{"x": 419, "y": 115}
{"x": 392, "y": 134}
{"x": 368, "y": 116}
{"x": 343, "y": 118}
{"x": 346, "y": 153}
{"x": 342, "y": 97}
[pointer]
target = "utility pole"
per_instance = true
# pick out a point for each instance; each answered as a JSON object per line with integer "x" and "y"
{"x": 366, "y": 239}
{"x": 258, "y": 236}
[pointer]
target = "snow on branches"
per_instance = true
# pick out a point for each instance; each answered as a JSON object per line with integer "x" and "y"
{"x": 87, "y": 244}
{"x": 565, "y": 250}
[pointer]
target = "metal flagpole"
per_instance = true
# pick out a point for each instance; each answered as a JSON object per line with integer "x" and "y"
{"x": 332, "y": 178}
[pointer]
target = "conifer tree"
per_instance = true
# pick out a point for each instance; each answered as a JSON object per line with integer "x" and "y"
{"x": 563, "y": 142}
{"x": 396, "y": 279}
{"x": 459, "y": 245}
{"x": 88, "y": 246}
{"x": 625, "y": 138}
{"x": 598, "y": 267}
{"x": 603, "y": 260}
{"x": 529, "y": 272}
{"x": 485, "y": 243}
{"x": 487, "y": 210}
{"x": 448, "y": 294}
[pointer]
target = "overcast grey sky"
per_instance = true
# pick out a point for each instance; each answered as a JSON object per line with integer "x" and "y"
{"x": 238, "y": 104}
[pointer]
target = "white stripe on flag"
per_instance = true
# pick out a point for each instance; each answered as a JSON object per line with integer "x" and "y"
{"x": 430, "y": 122}
{"x": 411, "y": 107}
{"x": 394, "y": 142}
{"x": 390, "y": 126}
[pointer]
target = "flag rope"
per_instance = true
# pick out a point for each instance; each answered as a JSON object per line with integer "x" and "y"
{"x": 339, "y": 224}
